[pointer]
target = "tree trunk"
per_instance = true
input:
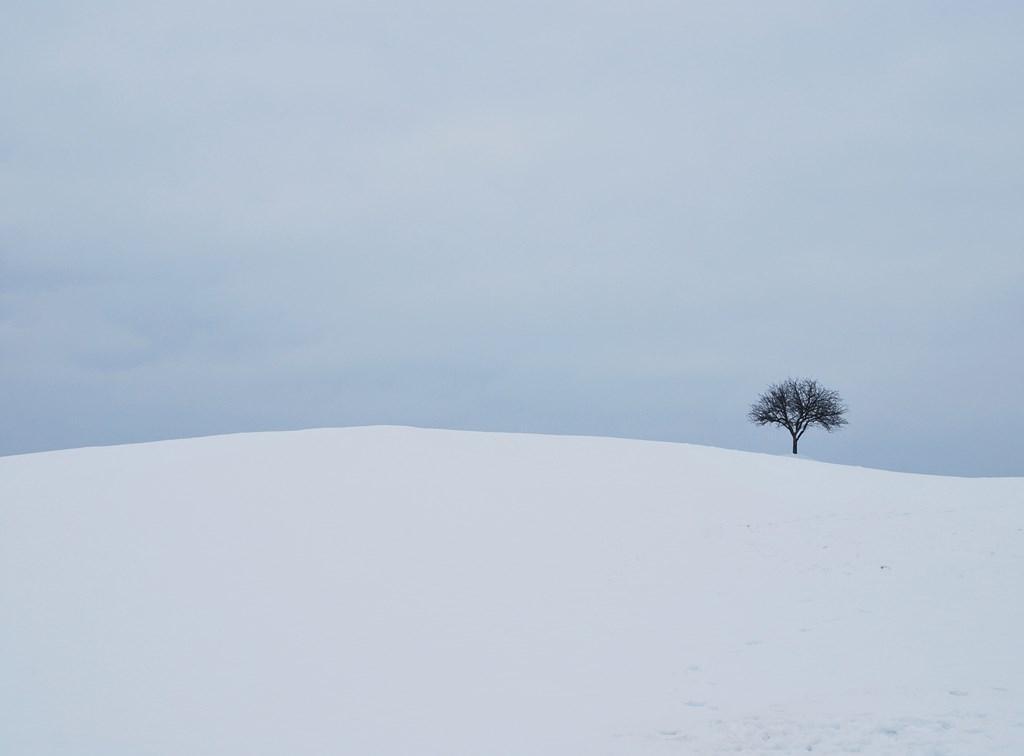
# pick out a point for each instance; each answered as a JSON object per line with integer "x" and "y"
{"x": 794, "y": 443}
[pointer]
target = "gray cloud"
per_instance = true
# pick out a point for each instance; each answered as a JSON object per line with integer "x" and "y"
{"x": 610, "y": 218}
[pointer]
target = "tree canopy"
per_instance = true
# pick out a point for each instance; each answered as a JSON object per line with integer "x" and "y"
{"x": 797, "y": 404}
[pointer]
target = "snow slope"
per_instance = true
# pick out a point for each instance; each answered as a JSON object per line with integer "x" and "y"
{"x": 401, "y": 592}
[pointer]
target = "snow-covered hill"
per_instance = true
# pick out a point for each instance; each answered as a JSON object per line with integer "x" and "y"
{"x": 400, "y": 592}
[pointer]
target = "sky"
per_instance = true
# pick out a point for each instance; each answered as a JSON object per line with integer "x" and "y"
{"x": 611, "y": 218}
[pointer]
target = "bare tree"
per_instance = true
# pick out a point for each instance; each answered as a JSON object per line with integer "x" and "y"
{"x": 796, "y": 404}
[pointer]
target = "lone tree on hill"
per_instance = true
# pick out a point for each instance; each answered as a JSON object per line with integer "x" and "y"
{"x": 796, "y": 404}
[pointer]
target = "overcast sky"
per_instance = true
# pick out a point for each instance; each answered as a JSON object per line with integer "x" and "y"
{"x": 604, "y": 218}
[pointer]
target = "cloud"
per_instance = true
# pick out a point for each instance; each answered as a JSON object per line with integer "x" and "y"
{"x": 571, "y": 218}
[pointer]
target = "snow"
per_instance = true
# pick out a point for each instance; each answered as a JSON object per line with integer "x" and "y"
{"x": 397, "y": 592}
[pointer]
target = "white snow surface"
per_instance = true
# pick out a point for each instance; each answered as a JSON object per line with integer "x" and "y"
{"x": 406, "y": 592}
